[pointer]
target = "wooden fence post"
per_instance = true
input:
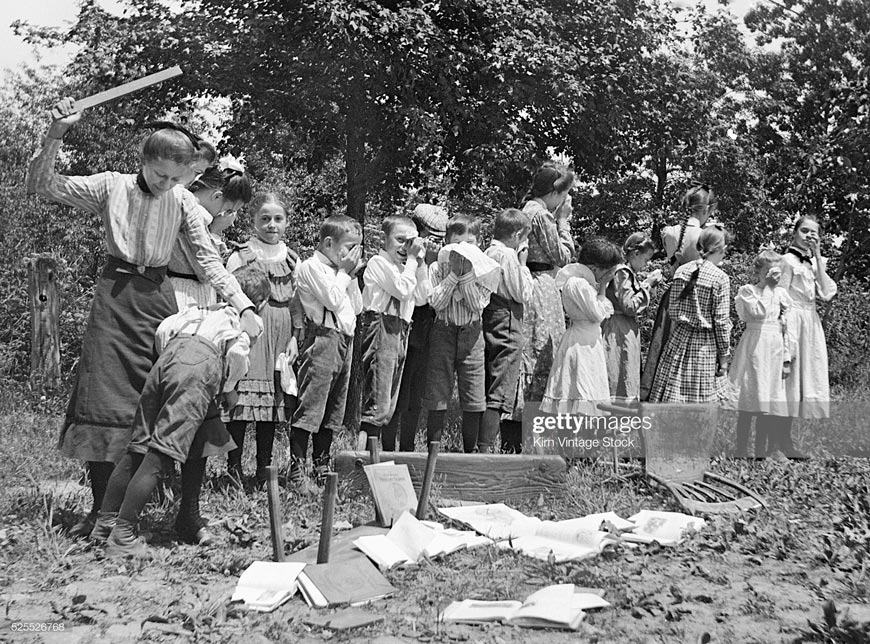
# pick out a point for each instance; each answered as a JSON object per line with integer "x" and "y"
{"x": 42, "y": 272}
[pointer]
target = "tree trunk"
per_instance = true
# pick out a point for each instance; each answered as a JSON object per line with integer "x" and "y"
{"x": 357, "y": 189}
{"x": 44, "y": 321}
{"x": 661, "y": 170}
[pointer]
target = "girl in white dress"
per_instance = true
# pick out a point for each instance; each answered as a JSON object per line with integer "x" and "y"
{"x": 805, "y": 278}
{"x": 578, "y": 379}
{"x": 756, "y": 373}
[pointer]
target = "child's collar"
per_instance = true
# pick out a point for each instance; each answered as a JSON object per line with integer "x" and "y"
{"x": 797, "y": 252}
{"x": 323, "y": 257}
{"x": 142, "y": 184}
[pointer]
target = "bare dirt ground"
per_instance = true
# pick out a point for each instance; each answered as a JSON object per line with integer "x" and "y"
{"x": 763, "y": 577}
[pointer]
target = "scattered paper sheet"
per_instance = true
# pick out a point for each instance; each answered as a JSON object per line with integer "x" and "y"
{"x": 667, "y": 528}
{"x": 572, "y": 539}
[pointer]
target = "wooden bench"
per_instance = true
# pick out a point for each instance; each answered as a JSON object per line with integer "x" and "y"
{"x": 489, "y": 478}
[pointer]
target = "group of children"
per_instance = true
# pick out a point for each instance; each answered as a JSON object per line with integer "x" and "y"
{"x": 161, "y": 354}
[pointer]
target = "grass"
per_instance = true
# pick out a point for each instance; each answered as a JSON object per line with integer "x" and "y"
{"x": 763, "y": 577}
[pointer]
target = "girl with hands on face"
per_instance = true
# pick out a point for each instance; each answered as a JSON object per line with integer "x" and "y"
{"x": 805, "y": 278}
{"x": 756, "y": 373}
{"x": 578, "y": 381}
{"x": 630, "y": 297}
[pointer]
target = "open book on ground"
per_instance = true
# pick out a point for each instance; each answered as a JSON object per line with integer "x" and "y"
{"x": 409, "y": 539}
{"x": 559, "y": 606}
{"x": 265, "y": 585}
{"x": 667, "y": 528}
{"x": 563, "y": 540}
{"x": 351, "y": 581}
{"x": 392, "y": 490}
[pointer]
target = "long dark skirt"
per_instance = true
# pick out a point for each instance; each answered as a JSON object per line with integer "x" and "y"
{"x": 117, "y": 354}
{"x": 660, "y": 332}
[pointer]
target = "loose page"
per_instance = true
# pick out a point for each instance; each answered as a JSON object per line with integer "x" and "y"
{"x": 667, "y": 528}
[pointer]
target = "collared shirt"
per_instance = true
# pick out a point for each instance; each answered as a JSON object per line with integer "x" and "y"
{"x": 456, "y": 300}
{"x": 688, "y": 250}
{"x": 140, "y": 228}
{"x": 550, "y": 241}
{"x": 322, "y": 289}
{"x": 709, "y": 304}
{"x": 385, "y": 280}
{"x": 219, "y": 324}
{"x": 801, "y": 279}
{"x": 516, "y": 280}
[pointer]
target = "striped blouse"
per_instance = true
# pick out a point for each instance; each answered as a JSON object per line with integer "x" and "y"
{"x": 456, "y": 300}
{"x": 140, "y": 228}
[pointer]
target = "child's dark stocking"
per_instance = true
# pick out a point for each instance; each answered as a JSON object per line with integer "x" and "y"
{"x": 98, "y": 474}
{"x": 142, "y": 485}
{"x": 298, "y": 454}
{"x": 763, "y": 443}
{"x": 189, "y": 523}
{"x": 119, "y": 481}
{"x": 435, "y": 424}
{"x": 781, "y": 435}
{"x": 408, "y": 432}
{"x": 236, "y": 429}
{"x": 489, "y": 426}
{"x": 321, "y": 444}
{"x": 265, "y": 441}
{"x": 744, "y": 426}
{"x": 367, "y": 431}
{"x": 114, "y": 496}
{"x": 470, "y": 430}
{"x": 511, "y": 436}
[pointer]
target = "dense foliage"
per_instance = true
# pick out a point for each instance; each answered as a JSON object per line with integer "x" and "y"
{"x": 368, "y": 107}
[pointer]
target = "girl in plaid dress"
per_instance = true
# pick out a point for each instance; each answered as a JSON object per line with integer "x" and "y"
{"x": 695, "y": 358}
{"x": 680, "y": 245}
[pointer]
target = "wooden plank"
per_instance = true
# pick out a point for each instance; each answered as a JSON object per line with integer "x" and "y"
{"x": 469, "y": 477}
{"x": 275, "y": 521}
{"x": 329, "y": 491}
{"x": 122, "y": 90}
{"x": 428, "y": 475}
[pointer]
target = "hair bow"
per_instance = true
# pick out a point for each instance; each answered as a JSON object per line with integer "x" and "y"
{"x": 169, "y": 125}
{"x": 230, "y": 165}
{"x": 767, "y": 246}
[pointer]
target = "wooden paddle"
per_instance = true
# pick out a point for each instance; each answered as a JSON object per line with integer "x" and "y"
{"x": 121, "y": 90}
